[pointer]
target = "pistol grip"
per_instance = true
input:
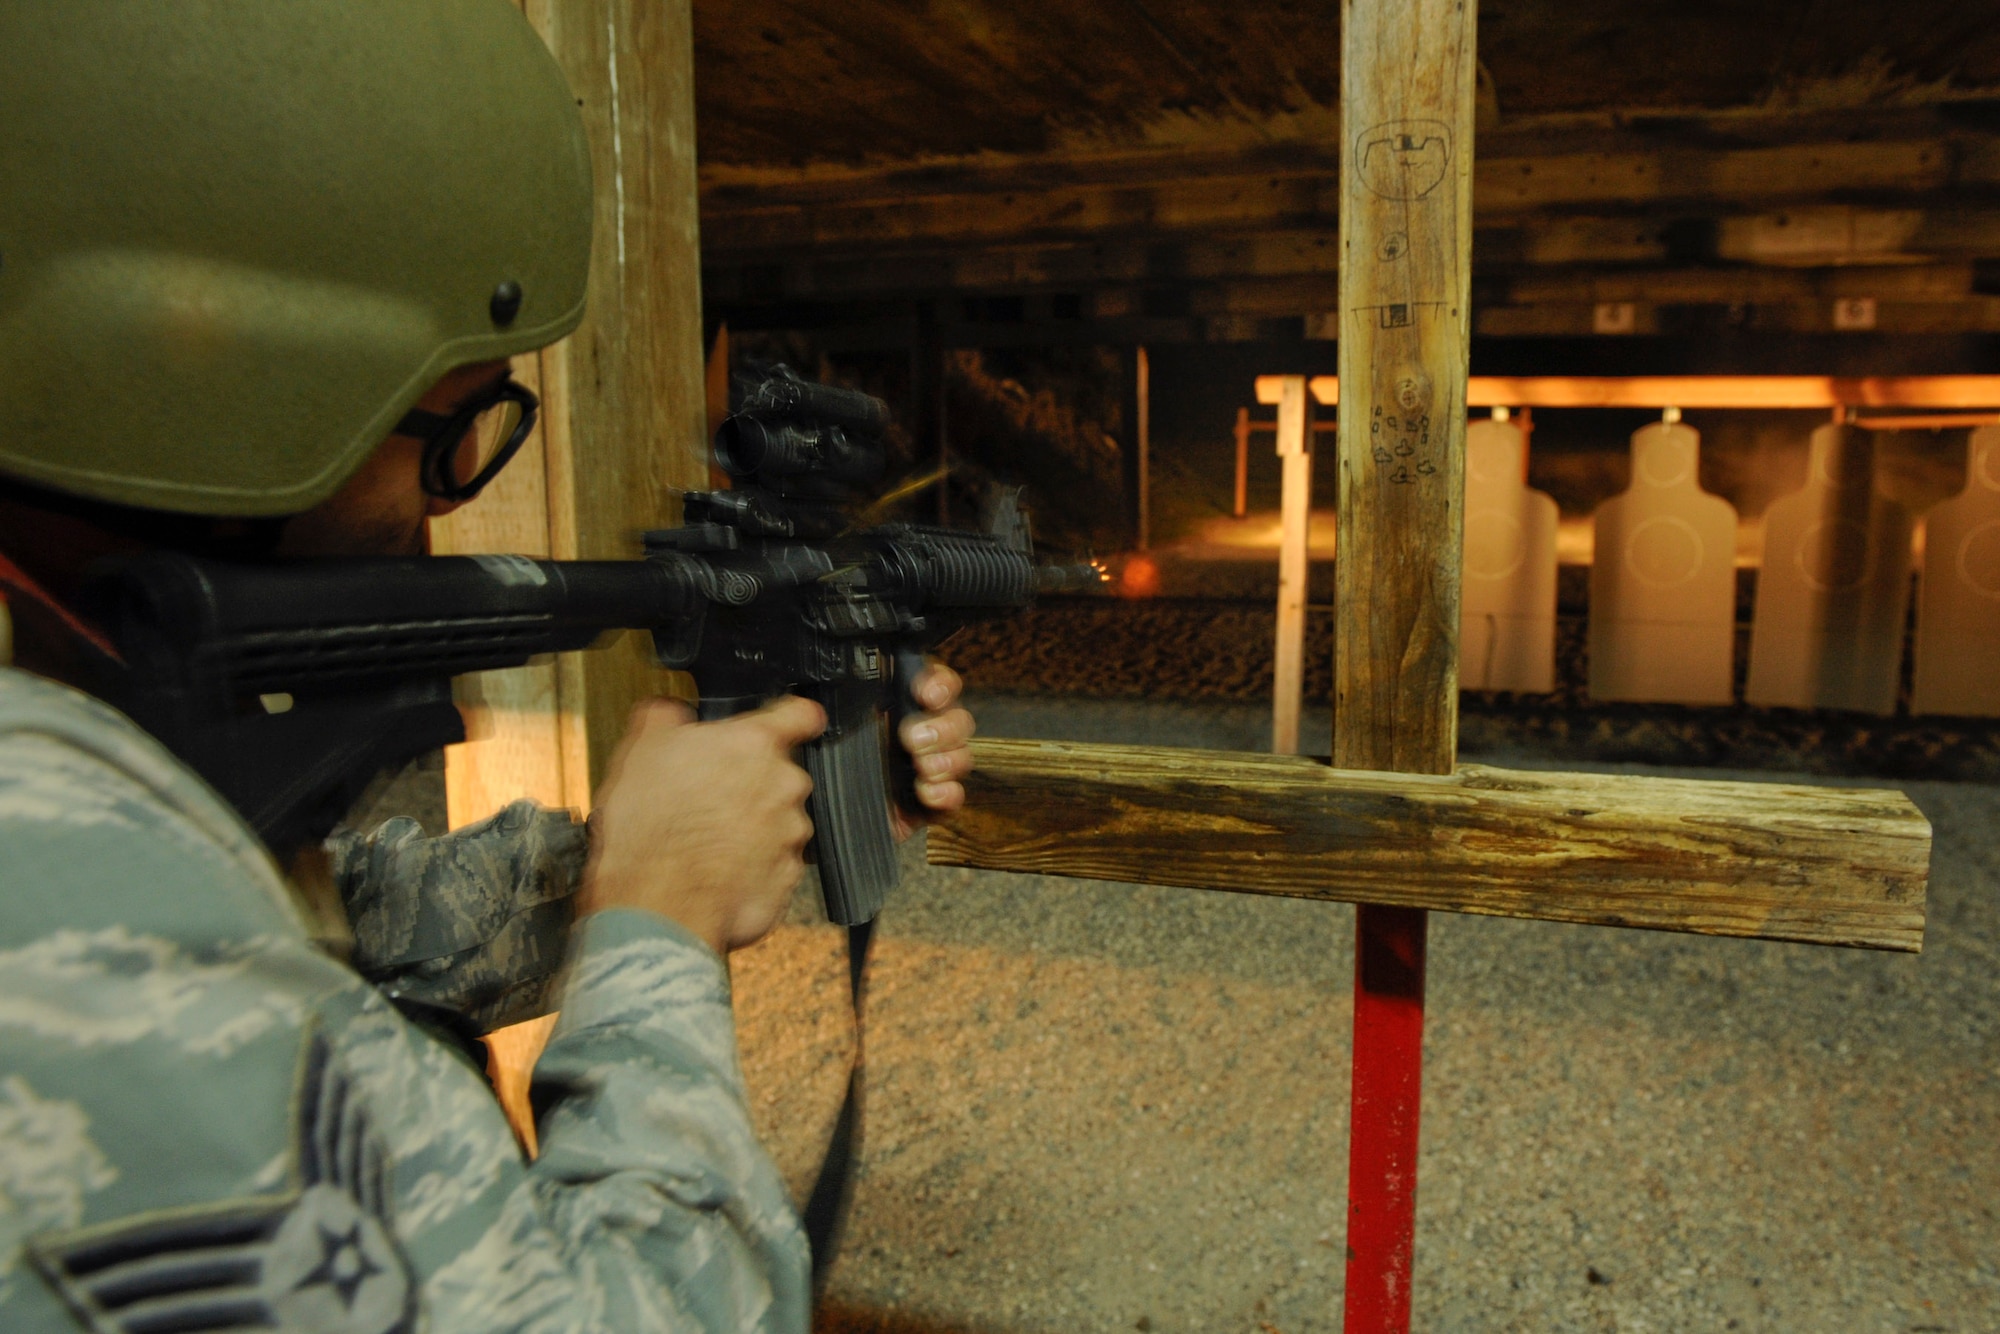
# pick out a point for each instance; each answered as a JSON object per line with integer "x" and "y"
{"x": 849, "y": 807}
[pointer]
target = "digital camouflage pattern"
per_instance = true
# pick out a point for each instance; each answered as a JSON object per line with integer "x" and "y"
{"x": 206, "y": 1122}
{"x": 475, "y": 922}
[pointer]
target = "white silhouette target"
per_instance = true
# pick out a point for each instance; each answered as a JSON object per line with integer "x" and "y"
{"x": 1958, "y": 612}
{"x": 1835, "y": 587}
{"x": 1507, "y": 598}
{"x": 1663, "y": 585}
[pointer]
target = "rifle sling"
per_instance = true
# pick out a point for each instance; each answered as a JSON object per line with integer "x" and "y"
{"x": 826, "y": 1208}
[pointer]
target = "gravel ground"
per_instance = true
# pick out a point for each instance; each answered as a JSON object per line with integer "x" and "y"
{"x": 1116, "y": 1107}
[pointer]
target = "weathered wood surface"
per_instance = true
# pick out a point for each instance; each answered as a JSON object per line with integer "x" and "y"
{"x": 624, "y": 405}
{"x": 622, "y": 430}
{"x": 628, "y": 386}
{"x": 891, "y": 80}
{"x": 1405, "y": 328}
{"x": 1407, "y": 106}
{"x": 1829, "y": 866}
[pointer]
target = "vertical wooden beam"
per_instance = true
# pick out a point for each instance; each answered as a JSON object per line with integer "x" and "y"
{"x": 1295, "y": 451}
{"x": 1405, "y": 234}
{"x": 623, "y": 427}
{"x": 1242, "y": 462}
{"x": 627, "y": 389}
{"x": 1143, "y": 434}
{"x": 624, "y": 403}
{"x": 1408, "y": 72}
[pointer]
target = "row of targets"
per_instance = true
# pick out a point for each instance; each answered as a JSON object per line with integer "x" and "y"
{"x": 1832, "y": 598}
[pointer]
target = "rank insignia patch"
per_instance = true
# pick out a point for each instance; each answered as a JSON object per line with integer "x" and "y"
{"x": 322, "y": 1258}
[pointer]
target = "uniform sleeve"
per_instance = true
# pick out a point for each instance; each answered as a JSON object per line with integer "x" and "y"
{"x": 205, "y": 1122}
{"x": 651, "y": 1190}
{"x": 647, "y": 1147}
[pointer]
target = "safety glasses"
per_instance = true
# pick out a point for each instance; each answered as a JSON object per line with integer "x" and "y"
{"x": 464, "y": 449}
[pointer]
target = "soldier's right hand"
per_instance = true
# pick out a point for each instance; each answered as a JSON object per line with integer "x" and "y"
{"x": 704, "y": 823}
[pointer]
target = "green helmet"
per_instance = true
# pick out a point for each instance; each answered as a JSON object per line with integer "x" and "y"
{"x": 239, "y": 239}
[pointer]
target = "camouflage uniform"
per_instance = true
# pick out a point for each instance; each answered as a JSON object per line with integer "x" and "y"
{"x": 205, "y": 1122}
{"x": 475, "y": 923}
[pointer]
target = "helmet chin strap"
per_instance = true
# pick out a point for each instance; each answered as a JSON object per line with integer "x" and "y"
{"x": 15, "y": 582}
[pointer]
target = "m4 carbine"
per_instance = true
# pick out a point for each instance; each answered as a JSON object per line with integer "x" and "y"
{"x": 288, "y": 686}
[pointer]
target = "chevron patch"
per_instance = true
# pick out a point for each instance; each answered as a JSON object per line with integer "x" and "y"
{"x": 322, "y": 1258}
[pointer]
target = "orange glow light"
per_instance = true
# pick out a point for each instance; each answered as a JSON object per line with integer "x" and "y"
{"x": 1139, "y": 579}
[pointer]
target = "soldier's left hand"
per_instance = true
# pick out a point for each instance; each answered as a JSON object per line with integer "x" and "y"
{"x": 937, "y": 740}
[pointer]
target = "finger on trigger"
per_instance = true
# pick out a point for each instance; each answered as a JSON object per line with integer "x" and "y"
{"x": 794, "y": 721}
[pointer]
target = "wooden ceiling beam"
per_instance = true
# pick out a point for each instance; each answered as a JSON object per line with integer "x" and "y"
{"x": 1701, "y": 320}
{"x": 1968, "y": 131}
{"x": 1204, "y": 192}
{"x": 1908, "y": 299}
{"x": 1868, "y": 251}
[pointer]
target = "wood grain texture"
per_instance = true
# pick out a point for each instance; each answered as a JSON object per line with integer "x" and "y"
{"x": 1405, "y": 328}
{"x": 1830, "y": 866}
{"x": 623, "y": 424}
{"x": 627, "y": 392}
{"x": 888, "y": 79}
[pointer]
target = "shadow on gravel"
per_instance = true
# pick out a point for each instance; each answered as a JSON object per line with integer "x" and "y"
{"x": 840, "y": 1318}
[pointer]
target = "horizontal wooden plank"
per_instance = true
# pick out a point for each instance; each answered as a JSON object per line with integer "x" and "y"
{"x": 1825, "y": 865}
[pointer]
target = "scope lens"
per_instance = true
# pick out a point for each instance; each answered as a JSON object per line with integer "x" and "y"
{"x": 741, "y": 445}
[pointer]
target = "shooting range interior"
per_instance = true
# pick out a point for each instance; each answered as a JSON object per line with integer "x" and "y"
{"x": 1676, "y": 334}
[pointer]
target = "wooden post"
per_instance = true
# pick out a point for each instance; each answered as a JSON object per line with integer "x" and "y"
{"x": 623, "y": 423}
{"x": 1407, "y": 81}
{"x": 1295, "y": 451}
{"x": 1242, "y": 462}
{"x": 1143, "y": 389}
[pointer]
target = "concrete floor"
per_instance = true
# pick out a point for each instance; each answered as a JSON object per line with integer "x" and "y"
{"x": 1112, "y": 1107}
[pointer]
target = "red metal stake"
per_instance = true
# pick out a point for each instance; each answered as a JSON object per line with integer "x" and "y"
{"x": 1382, "y": 1129}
